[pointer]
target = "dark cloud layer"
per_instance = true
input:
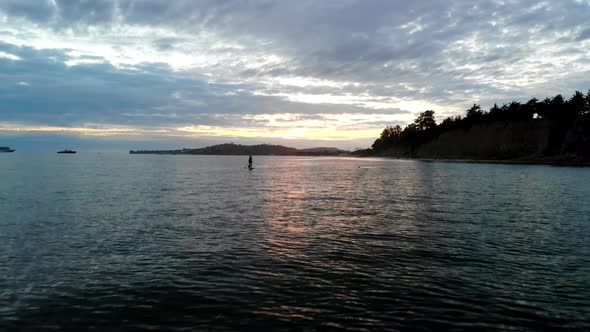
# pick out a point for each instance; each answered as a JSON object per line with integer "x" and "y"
{"x": 53, "y": 93}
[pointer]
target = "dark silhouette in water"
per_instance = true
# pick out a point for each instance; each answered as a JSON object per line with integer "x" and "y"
{"x": 67, "y": 151}
{"x": 5, "y": 149}
{"x": 250, "y": 162}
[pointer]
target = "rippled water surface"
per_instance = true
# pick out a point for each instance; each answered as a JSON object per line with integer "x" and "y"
{"x": 117, "y": 241}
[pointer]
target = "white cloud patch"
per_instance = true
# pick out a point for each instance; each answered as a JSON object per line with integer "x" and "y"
{"x": 9, "y": 56}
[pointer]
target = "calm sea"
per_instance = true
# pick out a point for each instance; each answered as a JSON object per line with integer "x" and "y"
{"x": 122, "y": 242}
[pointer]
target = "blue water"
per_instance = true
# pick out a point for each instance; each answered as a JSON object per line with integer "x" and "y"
{"x": 123, "y": 242}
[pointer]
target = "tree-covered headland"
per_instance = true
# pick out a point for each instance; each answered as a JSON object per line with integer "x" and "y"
{"x": 549, "y": 129}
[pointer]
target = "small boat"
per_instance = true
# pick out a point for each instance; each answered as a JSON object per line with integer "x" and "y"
{"x": 5, "y": 149}
{"x": 66, "y": 151}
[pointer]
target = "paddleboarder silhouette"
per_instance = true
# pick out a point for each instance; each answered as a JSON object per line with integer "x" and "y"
{"x": 250, "y": 162}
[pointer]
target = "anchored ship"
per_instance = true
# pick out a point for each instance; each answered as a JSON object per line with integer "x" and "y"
{"x": 66, "y": 151}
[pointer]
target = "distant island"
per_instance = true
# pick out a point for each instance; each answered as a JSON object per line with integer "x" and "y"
{"x": 259, "y": 150}
{"x": 551, "y": 131}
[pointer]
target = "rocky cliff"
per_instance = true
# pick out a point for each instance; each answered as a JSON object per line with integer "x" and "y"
{"x": 498, "y": 140}
{"x": 530, "y": 140}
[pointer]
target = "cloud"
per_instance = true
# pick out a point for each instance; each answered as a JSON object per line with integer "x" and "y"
{"x": 583, "y": 35}
{"x": 100, "y": 100}
{"x": 221, "y": 63}
{"x": 9, "y": 56}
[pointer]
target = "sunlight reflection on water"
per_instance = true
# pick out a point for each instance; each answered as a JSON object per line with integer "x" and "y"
{"x": 198, "y": 242}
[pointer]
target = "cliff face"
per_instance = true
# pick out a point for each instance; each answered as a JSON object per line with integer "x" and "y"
{"x": 498, "y": 140}
{"x": 576, "y": 143}
{"x": 525, "y": 140}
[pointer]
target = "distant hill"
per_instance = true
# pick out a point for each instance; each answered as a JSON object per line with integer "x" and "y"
{"x": 259, "y": 150}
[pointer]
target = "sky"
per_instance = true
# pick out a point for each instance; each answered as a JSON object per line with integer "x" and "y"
{"x": 128, "y": 74}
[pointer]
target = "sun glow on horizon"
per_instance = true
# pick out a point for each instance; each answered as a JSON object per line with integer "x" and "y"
{"x": 332, "y": 133}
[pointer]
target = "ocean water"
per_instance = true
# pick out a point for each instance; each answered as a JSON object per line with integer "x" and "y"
{"x": 135, "y": 242}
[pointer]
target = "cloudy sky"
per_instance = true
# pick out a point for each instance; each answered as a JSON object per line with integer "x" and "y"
{"x": 141, "y": 73}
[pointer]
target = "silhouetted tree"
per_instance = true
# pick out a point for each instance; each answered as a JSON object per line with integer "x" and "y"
{"x": 495, "y": 110}
{"x": 555, "y": 107}
{"x": 425, "y": 120}
{"x": 474, "y": 112}
{"x": 390, "y": 135}
{"x": 393, "y": 132}
{"x": 529, "y": 109}
{"x": 576, "y": 104}
{"x": 544, "y": 107}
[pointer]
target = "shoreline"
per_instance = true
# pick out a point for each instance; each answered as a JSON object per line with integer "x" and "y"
{"x": 545, "y": 162}
{"x": 559, "y": 163}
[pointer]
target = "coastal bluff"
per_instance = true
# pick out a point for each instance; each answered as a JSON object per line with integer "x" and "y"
{"x": 552, "y": 131}
{"x": 498, "y": 140}
{"x": 526, "y": 141}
